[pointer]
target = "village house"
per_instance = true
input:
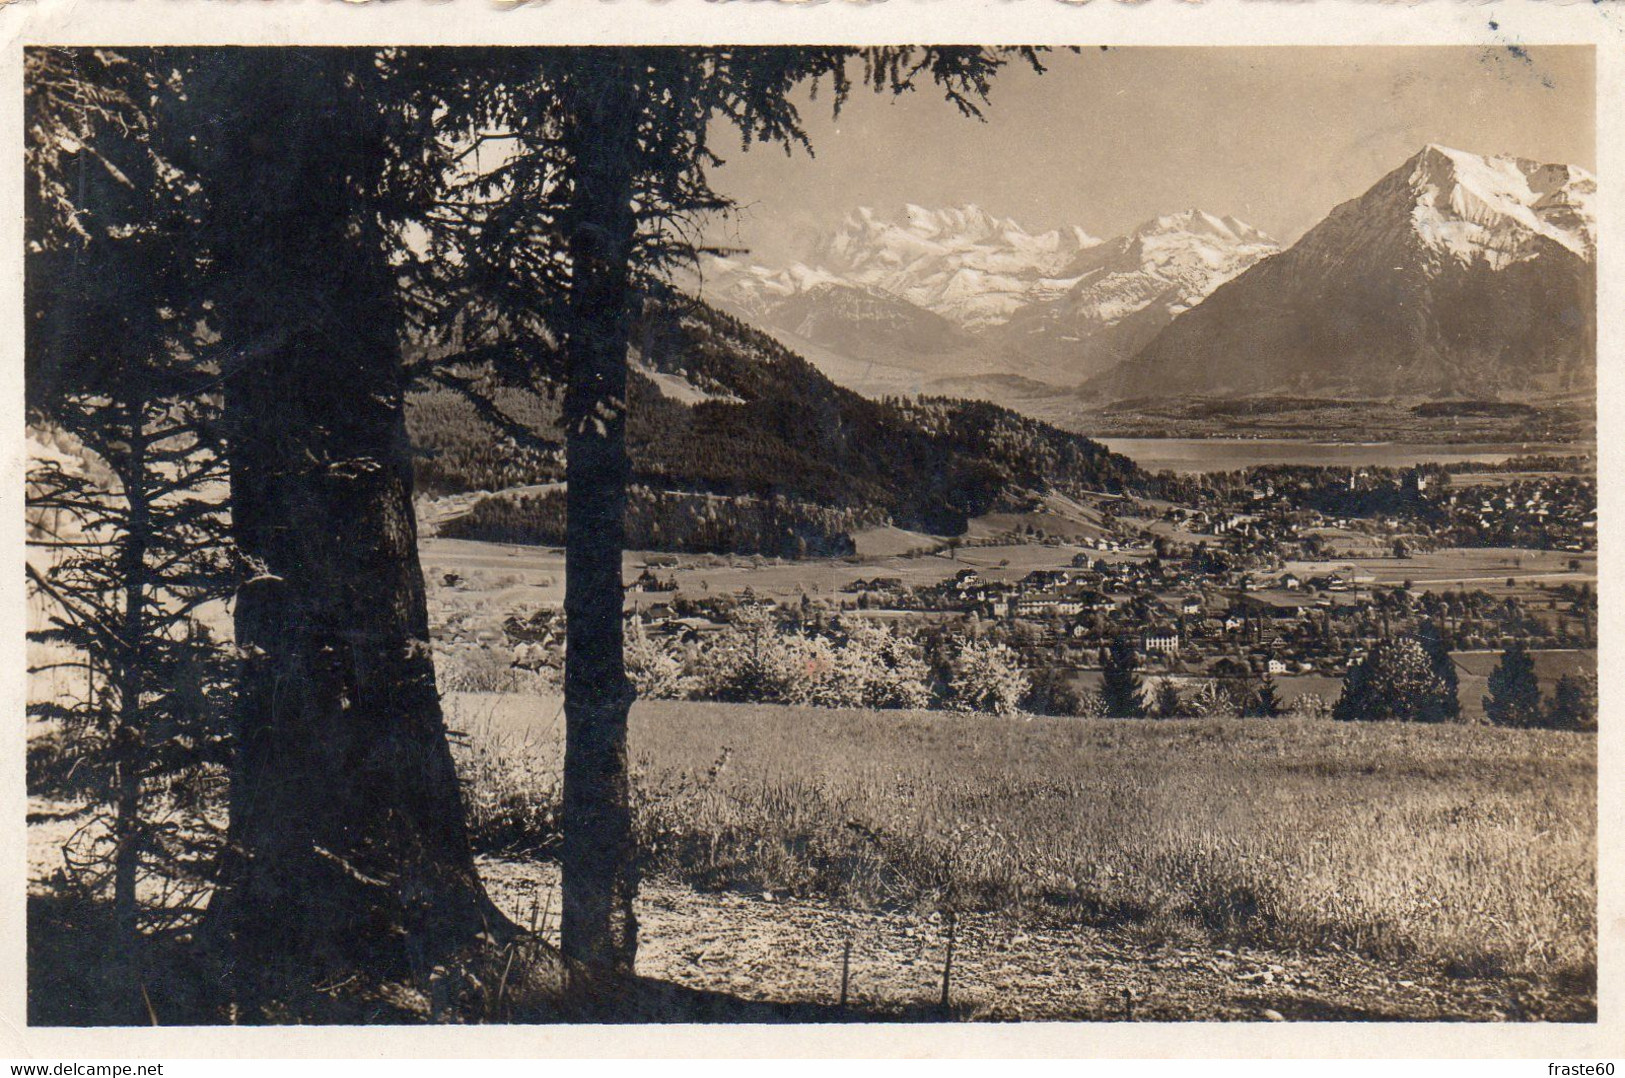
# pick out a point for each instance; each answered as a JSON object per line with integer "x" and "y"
{"x": 1047, "y": 603}
{"x": 1160, "y": 639}
{"x": 647, "y": 582}
{"x": 1278, "y": 605}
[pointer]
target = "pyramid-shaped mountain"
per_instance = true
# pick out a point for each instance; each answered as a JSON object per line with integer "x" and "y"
{"x": 1455, "y": 275}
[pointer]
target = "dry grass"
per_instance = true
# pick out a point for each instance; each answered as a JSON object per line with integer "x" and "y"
{"x": 1469, "y": 847}
{"x": 510, "y": 754}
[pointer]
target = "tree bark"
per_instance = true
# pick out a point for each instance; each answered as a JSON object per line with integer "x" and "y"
{"x": 599, "y": 928}
{"x": 347, "y": 844}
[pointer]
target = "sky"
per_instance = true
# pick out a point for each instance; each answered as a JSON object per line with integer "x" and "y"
{"x": 1108, "y": 139}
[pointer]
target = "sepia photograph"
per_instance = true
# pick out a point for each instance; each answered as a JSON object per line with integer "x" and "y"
{"x": 810, "y": 534}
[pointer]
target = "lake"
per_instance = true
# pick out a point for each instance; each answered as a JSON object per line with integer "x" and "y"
{"x": 1228, "y": 454}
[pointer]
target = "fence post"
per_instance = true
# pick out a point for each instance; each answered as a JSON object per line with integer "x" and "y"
{"x": 846, "y": 969}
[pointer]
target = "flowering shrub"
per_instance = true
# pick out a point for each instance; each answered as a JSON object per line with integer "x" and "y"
{"x": 1310, "y": 705}
{"x": 891, "y": 667}
{"x": 480, "y": 668}
{"x": 654, "y": 670}
{"x": 1212, "y": 701}
{"x": 862, "y": 665}
{"x": 815, "y": 672}
{"x": 988, "y": 677}
{"x": 1091, "y": 705}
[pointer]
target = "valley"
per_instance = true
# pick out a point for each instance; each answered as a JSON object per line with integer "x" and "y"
{"x": 1569, "y": 423}
{"x": 1456, "y": 278}
{"x": 1224, "y": 454}
{"x": 1136, "y": 556}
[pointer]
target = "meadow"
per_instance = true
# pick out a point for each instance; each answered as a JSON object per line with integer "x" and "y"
{"x": 499, "y": 575}
{"x": 1465, "y": 849}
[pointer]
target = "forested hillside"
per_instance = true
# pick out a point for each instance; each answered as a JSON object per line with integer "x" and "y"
{"x": 760, "y": 421}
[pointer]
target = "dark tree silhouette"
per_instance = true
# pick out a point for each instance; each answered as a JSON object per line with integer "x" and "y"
{"x": 1514, "y": 698}
{"x": 1264, "y": 702}
{"x": 1120, "y": 684}
{"x": 1573, "y": 705}
{"x": 1427, "y": 631}
{"x": 1169, "y": 703}
{"x": 1050, "y": 693}
{"x": 600, "y": 134}
{"x": 126, "y": 539}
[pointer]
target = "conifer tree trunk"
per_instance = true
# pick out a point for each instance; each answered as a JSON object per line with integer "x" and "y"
{"x": 599, "y": 928}
{"x": 347, "y": 824}
{"x": 347, "y": 844}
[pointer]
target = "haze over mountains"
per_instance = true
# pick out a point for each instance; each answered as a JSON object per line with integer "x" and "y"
{"x": 1454, "y": 275}
{"x": 1130, "y": 288}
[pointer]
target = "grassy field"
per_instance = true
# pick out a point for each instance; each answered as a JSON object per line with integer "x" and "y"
{"x": 1463, "y": 568}
{"x": 1470, "y": 849}
{"x": 505, "y": 574}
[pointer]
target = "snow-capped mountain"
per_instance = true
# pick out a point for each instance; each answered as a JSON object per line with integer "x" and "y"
{"x": 1129, "y": 288}
{"x": 961, "y": 263}
{"x": 960, "y": 293}
{"x": 1455, "y": 274}
{"x": 1499, "y": 209}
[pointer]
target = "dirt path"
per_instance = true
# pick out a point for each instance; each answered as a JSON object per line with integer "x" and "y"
{"x": 768, "y": 949}
{"x": 764, "y": 948}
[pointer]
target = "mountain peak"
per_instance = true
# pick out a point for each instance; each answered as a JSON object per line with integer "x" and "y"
{"x": 962, "y": 262}
{"x": 1471, "y": 206}
{"x": 1455, "y": 273}
{"x": 967, "y": 223}
{"x": 1439, "y": 149}
{"x": 1201, "y": 222}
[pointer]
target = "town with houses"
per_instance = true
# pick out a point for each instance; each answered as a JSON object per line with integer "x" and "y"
{"x": 1003, "y": 584}
{"x": 1246, "y": 582}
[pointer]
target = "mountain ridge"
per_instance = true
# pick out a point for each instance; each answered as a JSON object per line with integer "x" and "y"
{"x": 987, "y": 299}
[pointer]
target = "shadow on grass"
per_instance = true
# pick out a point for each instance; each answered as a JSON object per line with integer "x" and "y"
{"x": 77, "y": 976}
